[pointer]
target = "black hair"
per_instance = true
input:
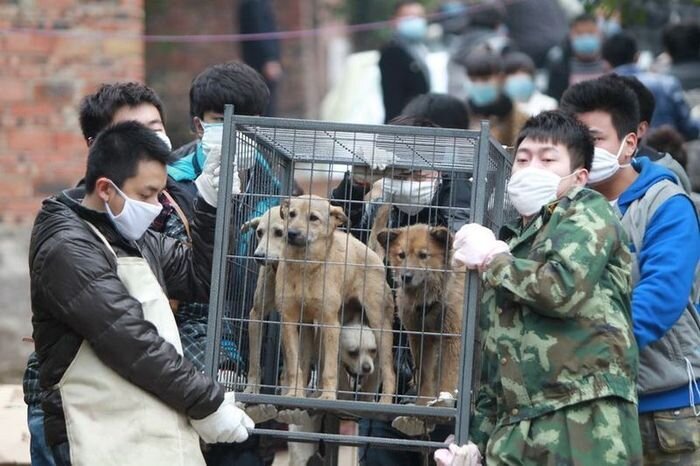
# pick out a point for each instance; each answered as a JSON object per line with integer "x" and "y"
{"x": 518, "y": 61}
{"x": 682, "y": 41}
{"x": 560, "y": 127}
{"x": 646, "y": 99}
{"x": 583, "y": 18}
{"x": 666, "y": 138}
{"x": 228, "y": 83}
{"x": 483, "y": 63}
{"x": 620, "y": 49}
{"x": 606, "y": 94}
{"x": 414, "y": 120}
{"x": 97, "y": 110}
{"x": 442, "y": 109}
{"x": 402, "y": 3}
{"x": 118, "y": 150}
{"x": 488, "y": 14}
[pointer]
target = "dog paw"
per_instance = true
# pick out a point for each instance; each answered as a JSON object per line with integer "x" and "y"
{"x": 253, "y": 389}
{"x": 412, "y": 426}
{"x": 293, "y": 416}
{"x": 327, "y": 395}
{"x": 261, "y": 413}
{"x": 444, "y": 400}
{"x": 386, "y": 399}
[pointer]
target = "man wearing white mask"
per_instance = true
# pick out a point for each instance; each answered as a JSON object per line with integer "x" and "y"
{"x": 404, "y": 73}
{"x": 559, "y": 362}
{"x": 664, "y": 235}
{"x": 116, "y": 388}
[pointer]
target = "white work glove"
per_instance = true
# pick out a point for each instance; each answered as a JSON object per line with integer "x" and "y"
{"x": 228, "y": 424}
{"x": 208, "y": 181}
{"x": 476, "y": 245}
{"x": 466, "y": 455}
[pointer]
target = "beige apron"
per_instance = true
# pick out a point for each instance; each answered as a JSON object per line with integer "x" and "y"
{"x": 110, "y": 421}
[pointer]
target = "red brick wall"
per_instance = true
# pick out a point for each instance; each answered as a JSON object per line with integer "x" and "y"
{"x": 42, "y": 79}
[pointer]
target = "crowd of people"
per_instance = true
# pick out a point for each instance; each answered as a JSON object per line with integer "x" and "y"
{"x": 589, "y": 326}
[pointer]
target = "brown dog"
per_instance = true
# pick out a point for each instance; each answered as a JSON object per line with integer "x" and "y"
{"x": 321, "y": 269}
{"x": 269, "y": 234}
{"x": 429, "y": 302}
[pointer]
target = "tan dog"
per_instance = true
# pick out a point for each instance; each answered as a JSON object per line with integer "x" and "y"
{"x": 269, "y": 234}
{"x": 322, "y": 268}
{"x": 429, "y": 301}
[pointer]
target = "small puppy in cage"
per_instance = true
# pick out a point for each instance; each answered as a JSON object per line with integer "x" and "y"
{"x": 269, "y": 234}
{"x": 322, "y": 268}
{"x": 358, "y": 356}
{"x": 429, "y": 301}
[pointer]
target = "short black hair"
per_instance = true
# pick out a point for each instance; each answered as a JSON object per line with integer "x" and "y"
{"x": 487, "y": 14}
{"x": 606, "y": 94}
{"x": 419, "y": 121}
{"x": 563, "y": 128}
{"x": 518, "y": 61}
{"x": 583, "y": 18}
{"x": 228, "y": 83}
{"x": 97, "y": 110}
{"x": 483, "y": 63}
{"x": 118, "y": 150}
{"x": 444, "y": 110}
{"x": 682, "y": 41}
{"x": 646, "y": 99}
{"x": 666, "y": 138}
{"x": 620, "y": 49}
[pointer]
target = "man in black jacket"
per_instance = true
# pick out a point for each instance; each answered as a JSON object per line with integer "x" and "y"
{"x": 402, "y": 62}
{"x": 112, "y": 374}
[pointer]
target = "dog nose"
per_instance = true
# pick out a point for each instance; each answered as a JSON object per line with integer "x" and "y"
{"x": 259, "y": 258}
{"x": 293, "y": 235}
{"x": 407, "y": 278}
{"x": 366, "y": 367}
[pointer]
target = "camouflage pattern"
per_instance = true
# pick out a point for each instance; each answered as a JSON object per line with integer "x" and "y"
{"x": 555, "y": 316}
{"x": 671, "y": 437}
{"x": 596, "y": 432}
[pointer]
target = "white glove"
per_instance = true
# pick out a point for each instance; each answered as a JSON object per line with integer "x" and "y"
{"x": 466, "y": 455}
{"x": 476, "y": 245}
{"x": 228, "y": 424}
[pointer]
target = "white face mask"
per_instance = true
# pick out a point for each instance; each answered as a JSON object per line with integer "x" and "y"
{"x": 245, "y": 148}
{"x": 164, "y": 137}
{"x": 416, "y": 195}
{"x": 135, "y": 218}
{"x": 605, "y": 164}
{"x": 531, "y": 188}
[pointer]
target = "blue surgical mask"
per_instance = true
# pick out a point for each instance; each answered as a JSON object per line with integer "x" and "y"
{"x": 413, "y": 29}
{"x": 586, "y": 44}
{"x": 519, "y": 88}
{"x": 483, "y": 93}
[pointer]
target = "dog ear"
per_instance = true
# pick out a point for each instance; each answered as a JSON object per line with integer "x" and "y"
{"x": 337, "y": 213}
{"x": 386, "y": 237}
{"x": 251, "y": 224}
{"x": 442, "y": 236}
{"x": 284, "y": 207}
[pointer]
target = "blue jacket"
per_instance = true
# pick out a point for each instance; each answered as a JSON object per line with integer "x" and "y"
{"x": 667, "y": 263}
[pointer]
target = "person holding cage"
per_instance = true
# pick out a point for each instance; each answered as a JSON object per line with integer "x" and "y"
{"x": 559, "y": 358}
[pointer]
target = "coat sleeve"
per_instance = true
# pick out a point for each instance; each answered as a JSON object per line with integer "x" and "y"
{"x": 572, "y": 260}
{"x": 187, "y": 269}
{"x": 79, "y": 280}
{"x": 393, "y": 66}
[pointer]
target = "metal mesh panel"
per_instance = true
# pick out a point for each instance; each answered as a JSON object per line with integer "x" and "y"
{"x": 317, "y": 302}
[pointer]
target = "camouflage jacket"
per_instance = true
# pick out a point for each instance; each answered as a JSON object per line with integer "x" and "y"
{"x": 555, "y": 318}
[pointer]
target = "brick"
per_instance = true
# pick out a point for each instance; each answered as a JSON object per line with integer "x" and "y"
{"x": 13, "y": 90}
{"x": 122, "y": 47}
{"x": 55, "y": 90}
{"x": 29, "y": 139}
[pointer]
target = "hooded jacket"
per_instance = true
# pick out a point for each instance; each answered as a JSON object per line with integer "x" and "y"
{"x": 667, "y": 263}
{"x": 76, "y": 295}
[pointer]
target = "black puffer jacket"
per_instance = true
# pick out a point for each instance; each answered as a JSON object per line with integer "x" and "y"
{"x": 76, "y": 294}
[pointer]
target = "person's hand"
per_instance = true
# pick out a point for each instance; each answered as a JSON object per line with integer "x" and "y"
{"x": 475, "y": 246}
{"x": 228, "y": 424}
{"x": 208, "y": 181}
{"x": 466, "y": 455}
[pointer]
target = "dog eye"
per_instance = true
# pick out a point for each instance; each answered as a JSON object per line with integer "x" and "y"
{"x": 279, "y": 233}
{"x": 373, "y": 351}
{"x": 354, "y": 353}
{"x": 402, "y": 255}
{"x": 292, "y": 214}
{"x": 422, "y": 255}
{"x": 313, "y": 217}
{"x": 259, "y": 233}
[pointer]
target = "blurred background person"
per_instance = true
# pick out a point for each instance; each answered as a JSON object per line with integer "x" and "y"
{"x": 404, "y": 73}
{"x": 487, "y": 101}
{"x": 521, "y": 87}
{"x": 578, "y": 58}
{"x": 256, "y": 16}
{"x": 682, "y": 43}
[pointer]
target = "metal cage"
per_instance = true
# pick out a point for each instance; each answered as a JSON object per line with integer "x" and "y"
{"x": 268, "y": 155}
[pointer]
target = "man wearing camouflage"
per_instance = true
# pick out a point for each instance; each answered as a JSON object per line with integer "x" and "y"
{"x": 559, "y": 360}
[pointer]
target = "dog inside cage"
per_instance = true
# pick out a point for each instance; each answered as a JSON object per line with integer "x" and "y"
{"x": 343, "y": 300}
